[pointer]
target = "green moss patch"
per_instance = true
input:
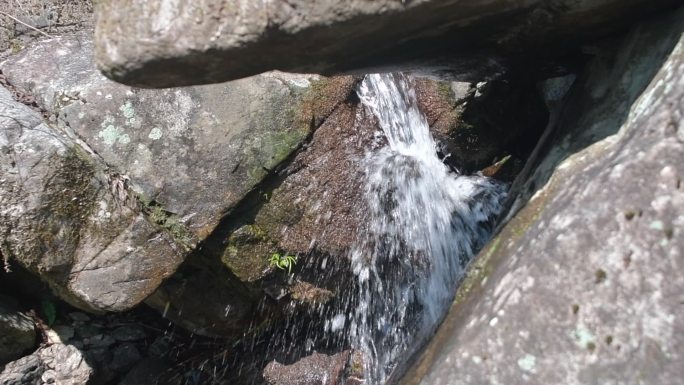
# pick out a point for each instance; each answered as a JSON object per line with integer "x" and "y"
{"x": 247, "y": 253}
{"x": 171, "y": 223}
{"x": 69, "y": 200}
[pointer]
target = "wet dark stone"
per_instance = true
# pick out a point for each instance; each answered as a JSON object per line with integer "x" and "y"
{"x": 124, "y": 356}
{"x": 316, "y": 369}
{"x": 128, "y": 333}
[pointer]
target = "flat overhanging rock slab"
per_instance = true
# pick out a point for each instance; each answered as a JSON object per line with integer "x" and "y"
{"x": 182, "y": 42}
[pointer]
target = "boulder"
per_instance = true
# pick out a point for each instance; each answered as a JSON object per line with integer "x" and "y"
{"x": 60, "y": 220}
{"x": 153, "y": 151}
{"x": 17, "y": 334}
{"x": 171, "y": 144}
{"x": 583, "y": 285}
{"x": 185, "y": 42}
{"x": 161, "y": 147}
{"x": 56, "y": 364}
{"x": 315, "y": 210}
{"x": 232, "y": 267}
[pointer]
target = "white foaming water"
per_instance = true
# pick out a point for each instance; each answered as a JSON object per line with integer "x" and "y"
{"x": 424, "y": 223}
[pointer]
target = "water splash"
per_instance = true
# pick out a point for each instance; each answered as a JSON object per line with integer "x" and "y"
{"x": 424, "y": 224}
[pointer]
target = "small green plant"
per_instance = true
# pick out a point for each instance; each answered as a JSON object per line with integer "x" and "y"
{"x": 49, "y": 311}
{"x": 16, "y": 46}
{"x": 283, "y": 261}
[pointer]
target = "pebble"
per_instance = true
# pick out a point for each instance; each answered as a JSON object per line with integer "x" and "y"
{"x": 125, "y": 356}
{"x": 99, "y": 341}
{"x": 128, "y": 333}
{"x": 159, "y": 348}
{"x": 87, "y": 331}
{"x": 99, "y": 355}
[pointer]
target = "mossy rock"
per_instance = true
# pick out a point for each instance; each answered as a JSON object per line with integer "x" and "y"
{"x": 247, "y": 253}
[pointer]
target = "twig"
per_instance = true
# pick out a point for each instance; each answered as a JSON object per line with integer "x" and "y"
{"x": 27, "y": 25}
{"x": 6, "y": 265}
{"x": 41, "y": 326}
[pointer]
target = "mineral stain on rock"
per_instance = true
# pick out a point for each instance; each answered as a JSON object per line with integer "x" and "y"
{"x": 528, "y": 363}
{"x": 155, "y": 134}
{"x": 112, "y": 134}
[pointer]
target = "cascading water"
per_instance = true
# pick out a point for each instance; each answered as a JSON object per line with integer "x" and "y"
{"x": 424, "y": 223}
{"x": 421, "y": 225}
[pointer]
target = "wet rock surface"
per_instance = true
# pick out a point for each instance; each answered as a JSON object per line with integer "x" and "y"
{"x": 315, "y": 211}
{"x": 583, "y": 285}
{"x": 478, "y": 125}
{"x": 316, "y": 369}
{"x": 146, "y": 372}
{"x": 288, "y": 215}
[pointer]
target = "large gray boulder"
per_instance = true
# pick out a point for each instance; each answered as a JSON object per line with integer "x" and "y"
{"x": 186, "y": 158}
{"x": 157, "y": 150}
{"x": 283, "y": 215}
{"x": 60, "y": 219}
{"x": 184, "y": 42}
{"x": 584, "y": 284}
{"x": 171, "y": 145}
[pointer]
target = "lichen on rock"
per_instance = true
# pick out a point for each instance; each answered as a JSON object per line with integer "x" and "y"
{"x": 62, "y": 222}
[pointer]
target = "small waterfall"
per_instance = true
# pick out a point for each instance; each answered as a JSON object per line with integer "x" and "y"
{"x": 424, "y": 224}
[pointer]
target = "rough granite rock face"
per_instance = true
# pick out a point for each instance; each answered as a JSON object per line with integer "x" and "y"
{"x": 160, "y": 151}
{"x": 184, "y": 42}
{"x": 174, "y": 145}
{"x": 228, "y": 270}
{"x": 315, "y": 211}
{"x": 17, "y": 334}
{"x": 584, "y": 284}
{"x": 57, "y": 364}
{"x": 60, "y": 220}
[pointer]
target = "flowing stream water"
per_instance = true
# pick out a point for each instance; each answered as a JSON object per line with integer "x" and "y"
{"x": 424, "y": 224}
